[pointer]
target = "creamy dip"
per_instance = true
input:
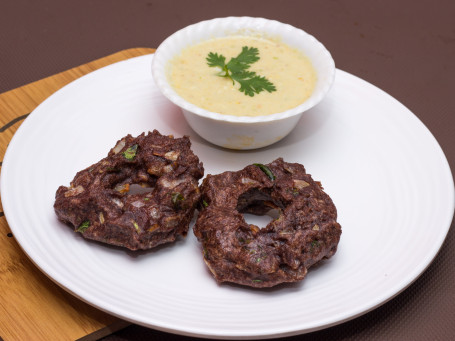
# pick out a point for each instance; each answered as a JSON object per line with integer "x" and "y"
{"x": 287, "y": 68}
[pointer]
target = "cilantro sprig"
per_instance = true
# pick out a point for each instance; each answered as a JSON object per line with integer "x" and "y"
{"x": 237, "y": 71}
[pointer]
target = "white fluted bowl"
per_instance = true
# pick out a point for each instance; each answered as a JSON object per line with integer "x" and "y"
{"x": 243, "y": 132}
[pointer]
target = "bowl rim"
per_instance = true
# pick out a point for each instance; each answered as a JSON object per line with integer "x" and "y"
{"x": 160, "y": 78}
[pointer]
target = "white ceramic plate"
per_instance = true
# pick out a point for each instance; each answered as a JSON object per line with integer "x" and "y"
{"x": 383, "y": 169}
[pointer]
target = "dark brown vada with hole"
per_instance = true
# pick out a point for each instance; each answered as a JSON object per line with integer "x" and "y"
{"x": 141, "y": 195}
{"x": 305, "y": 232}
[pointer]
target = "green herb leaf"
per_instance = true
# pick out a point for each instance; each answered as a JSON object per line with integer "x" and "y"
{"x": 177, "y": 198}
{"x": 236, "y": 70}
{"x": 130, "y": 153}
{"x": 84, "y": 226}
{"x": 243, "y": 61}
{"x": 266, "y": 170}
{"x": 253, "y": 85}
{"x": 214, "y": 59}
{"x": 314, "y": 243}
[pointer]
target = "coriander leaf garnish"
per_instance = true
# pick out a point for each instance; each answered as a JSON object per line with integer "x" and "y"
{"x": 130, "y": 153}
{"x": 177, "y": 199}
{"x": 254, "y": 85}
{"x": 84, "y": 226}
{"x": 314, "y": 243}
{"x": 214, "y": 59}
{"x": 266, "y": 170}
{"x": 244, "y": 59}
{"x": 236, "y": 70}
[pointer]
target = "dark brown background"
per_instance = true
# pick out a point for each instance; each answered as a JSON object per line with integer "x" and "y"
{"x": 406, "y": 48}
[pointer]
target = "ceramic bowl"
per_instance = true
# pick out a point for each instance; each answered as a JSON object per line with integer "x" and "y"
{"x": 243, "y": 132}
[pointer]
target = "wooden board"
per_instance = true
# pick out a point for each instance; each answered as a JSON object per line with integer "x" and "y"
{"x": 32, "y": 307}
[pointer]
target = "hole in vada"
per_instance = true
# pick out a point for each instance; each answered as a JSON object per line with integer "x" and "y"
{"x": 127, "y": 189}
{"x": 258, "y": 207}
{"x": 257, "y": 202}
{"x": 261, "y": 221}
{"x": 139, "y": 189}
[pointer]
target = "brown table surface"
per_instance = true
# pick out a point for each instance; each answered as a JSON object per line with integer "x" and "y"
{"x": 406, "y": 48}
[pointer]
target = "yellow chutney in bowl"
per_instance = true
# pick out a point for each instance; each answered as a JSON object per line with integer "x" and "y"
{"x": 290, "y": 72}
{"x": 242, "y": 82}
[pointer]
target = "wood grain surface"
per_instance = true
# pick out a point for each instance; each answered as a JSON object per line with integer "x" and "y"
{"x": 32, "y": 307}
